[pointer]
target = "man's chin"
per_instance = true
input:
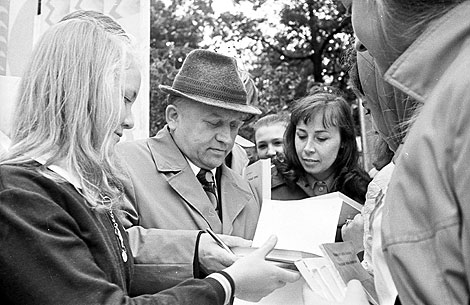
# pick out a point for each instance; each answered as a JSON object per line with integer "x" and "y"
{"x": 214, "y": 162}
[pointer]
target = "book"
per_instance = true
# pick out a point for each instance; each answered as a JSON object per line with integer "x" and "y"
{"x": 303, "y": 225}
{"x": 349, "y": 209}
{"x": 280, "y": 257}
{"x": 328, "y": 275}
{"x": 258, "y": 175}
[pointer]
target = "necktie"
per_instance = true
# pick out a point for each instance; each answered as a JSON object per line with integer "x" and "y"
{"x": 206, "y": 178}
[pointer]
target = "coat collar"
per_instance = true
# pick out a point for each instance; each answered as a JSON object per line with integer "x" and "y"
{"x": 170, "y": 161}
{"x": 419, "y": 69}
{"x": 165, "y": 153}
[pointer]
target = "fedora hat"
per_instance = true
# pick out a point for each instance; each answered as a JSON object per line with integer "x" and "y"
{"x": 212, "y": 79}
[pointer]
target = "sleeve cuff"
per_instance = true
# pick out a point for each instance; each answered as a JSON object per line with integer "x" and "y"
{"x": 196, "y": 270}
{"x": 227, "y": 284}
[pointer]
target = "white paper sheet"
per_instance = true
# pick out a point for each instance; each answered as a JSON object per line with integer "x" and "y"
{"x": 300, "y": 225}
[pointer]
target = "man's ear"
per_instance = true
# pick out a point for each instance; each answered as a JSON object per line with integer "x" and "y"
{"x": 172, "y": 115}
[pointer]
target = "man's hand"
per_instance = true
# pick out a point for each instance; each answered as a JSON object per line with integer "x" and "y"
{"x": 354, "y": 231}
{"x": 255, "y": 278}
{"x": 212, "y": 257}
{"x": 355, "y": 295}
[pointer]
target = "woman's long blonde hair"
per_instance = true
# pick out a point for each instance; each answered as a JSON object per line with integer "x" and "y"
{"x": 70, "y": 100}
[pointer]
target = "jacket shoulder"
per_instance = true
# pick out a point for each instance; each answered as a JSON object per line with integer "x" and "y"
{"x": 130, "y": 146}
{"x": 354, "y": 184}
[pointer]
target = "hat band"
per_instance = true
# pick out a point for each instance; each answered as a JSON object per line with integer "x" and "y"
{"x": 192, "y": 86}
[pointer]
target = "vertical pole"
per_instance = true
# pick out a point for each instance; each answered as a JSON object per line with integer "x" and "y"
{"x": 365, "y": 147}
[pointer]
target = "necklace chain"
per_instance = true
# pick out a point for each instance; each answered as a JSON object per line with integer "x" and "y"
{"x": 119, "y": 236}
{"x": 116, "y": 230}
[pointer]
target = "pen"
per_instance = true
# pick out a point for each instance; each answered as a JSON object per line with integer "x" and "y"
{"x": 218, "y": 240}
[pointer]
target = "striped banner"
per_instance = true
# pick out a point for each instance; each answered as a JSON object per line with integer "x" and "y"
{"x": 4, "y": 9}
{"x": 22, "y": 22}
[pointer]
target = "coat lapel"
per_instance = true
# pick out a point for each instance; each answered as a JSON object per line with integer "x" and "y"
{"x": 233, "y": 198}
{"x": 170, "y": 162}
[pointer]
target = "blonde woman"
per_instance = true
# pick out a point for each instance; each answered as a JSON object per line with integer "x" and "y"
{"x": 60, "y": 188}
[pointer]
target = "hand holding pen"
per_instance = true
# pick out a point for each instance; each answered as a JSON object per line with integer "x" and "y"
{"x": 254, "y": 278}
{"x": 218, "y": 240}
{"x": 213, "y": 256}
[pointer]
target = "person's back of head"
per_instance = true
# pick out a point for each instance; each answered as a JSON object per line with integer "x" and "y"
{"x": 388, "y": 27}
{"x": 413, "y": 15}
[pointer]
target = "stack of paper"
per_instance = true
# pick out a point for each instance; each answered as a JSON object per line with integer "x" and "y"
{"x": 305, "y": 224}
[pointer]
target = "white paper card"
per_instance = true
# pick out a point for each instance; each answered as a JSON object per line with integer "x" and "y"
{"x": 300, "y": 225}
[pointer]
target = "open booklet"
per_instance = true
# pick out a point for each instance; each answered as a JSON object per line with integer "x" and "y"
{"x": 303, "y": 225}
{"x": 328, "y": 275}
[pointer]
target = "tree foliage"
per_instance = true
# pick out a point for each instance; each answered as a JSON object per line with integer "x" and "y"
{"x": 176, "y": 29}
{"x": 303, "y": 48}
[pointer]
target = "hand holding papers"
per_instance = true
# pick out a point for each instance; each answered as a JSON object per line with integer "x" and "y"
{"x": 301, "y": 226}
{"x": 328, "y": 275}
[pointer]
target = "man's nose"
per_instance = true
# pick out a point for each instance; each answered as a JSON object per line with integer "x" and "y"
{"x": 224, "y": 135}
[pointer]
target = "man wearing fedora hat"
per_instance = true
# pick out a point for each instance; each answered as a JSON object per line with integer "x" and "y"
{"x": 172, "y": 188}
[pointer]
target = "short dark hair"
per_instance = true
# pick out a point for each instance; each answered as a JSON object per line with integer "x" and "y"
{"x": 336, "y": 112}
